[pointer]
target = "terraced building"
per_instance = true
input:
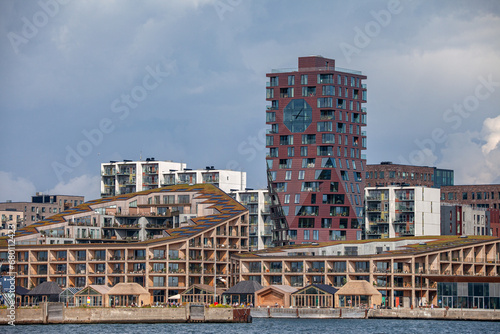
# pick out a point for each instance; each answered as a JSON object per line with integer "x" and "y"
{"x": 137, "y": 237}
{"x": 444, "y": 271}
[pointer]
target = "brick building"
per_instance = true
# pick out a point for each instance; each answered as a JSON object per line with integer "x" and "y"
{"x": 42, "y": 206}
{"x": 315, "y": 146}
{"x": 386, "y": 173}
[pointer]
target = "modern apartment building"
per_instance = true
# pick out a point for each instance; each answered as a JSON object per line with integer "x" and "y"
{"x": 459, "y": 219}
{"x": 479, "y": 196}
{"x": 11, "y": 221}
{"x": 406, "y": 271}
{"x": 42, "y": 206}
{"x": 386, "y": 174}
{"x": 260, "y": 225}
{"x": 401, "y": 211}
{"x": 314, "y": 150}
{"x": 125, "y": 177}
{"x": 198, "y": 252}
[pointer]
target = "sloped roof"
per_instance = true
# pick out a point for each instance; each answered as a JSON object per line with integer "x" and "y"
{"x": 21, "y": 291}
{"x": 280, "y": 288}
{"x": 358, "y": 288}
{"x": 226, "y": 208}
{"x": 46, "y": 288}
{"x": 323, "y": 287}
{"x": 102, "y": 289}
{"x": 205, "y": 287}
{"x": 127, "y": 289}
{"x": 244, "y": 287}
{"x": 70, "y": 291}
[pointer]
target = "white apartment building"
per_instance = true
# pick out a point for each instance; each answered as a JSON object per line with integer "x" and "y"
{"x": 402, "y": 211}
{"x": 124, "y": 177}
{"x": 257, "y": 202}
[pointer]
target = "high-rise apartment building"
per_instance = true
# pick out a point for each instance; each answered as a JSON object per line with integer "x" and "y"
{"x": 314, "y": 150}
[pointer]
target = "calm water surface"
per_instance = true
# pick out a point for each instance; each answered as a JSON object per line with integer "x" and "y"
{"x": 260, "y": 326}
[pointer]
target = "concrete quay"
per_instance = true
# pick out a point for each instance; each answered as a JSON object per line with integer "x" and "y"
{"x": 56, "y": 313}
{"x": 436, "y": 314}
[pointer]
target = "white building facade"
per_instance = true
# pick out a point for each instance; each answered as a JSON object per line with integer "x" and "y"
{"x": 124, "y": 177}
{"x": 401, "y": 211}
{"x": 257, "y": 202}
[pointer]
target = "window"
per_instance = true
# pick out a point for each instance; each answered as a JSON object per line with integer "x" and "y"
{"x": 310, "y": 186}
{"x": 270, "y": 117}
{"x": 325, "y": 78}
{"x": 292, "y": 234}
{"x": 308, "y": 162}
{"x": 344, "y": 175}
{"x": 269, "y": 140}
{"x": 273, "y": 152}
{"x": 291, "y": 80}
{"x": 269, "y": 93}
{"x": 287, "y": 198}
{"x": 286, "y": 140}
{"x": 325, "y": 150}
{"x": 281, "y": 187}
{"x": 303, "y": 79}
{"x": 306, "y": 222}
{"x": 291, "y": 151}
{"x": 326, "y": 222}
{"x": 328, "y": 138}
{"x": 274, "y": 81}
{"x": 324, "y": 174}
{"x": 301, "y": 174}
{"x": 286, "y": 92}
{"x": 303, "y": 151}
{"x": 297, "y": 198}
{"x": 285, "y": 163}
{"x": 309, "y": 91}
{"x": 306, "y": 234}
{"x": 308, "y": 139}
{"x": 288, "y": 175}
{"x": 315, "y": 235}
{"x": 328, "y": 163}
{"x": 327, "y": 114}
{"x": 325, "y": 102}
{"x": 324, "y": 126}
{"x": 328, "y": 90}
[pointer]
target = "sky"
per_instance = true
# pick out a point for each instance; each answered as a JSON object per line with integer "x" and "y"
{"x": 86, "y": 82}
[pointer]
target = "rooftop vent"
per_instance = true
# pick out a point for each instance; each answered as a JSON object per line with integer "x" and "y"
{"x": 386, "y": 163}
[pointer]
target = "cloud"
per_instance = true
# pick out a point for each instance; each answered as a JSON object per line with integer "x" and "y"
{"x": 14, "y": 188}
{"x": 85, "y": 185}
{"x": 492, "y": 136}
{"x": 475, "y": 156}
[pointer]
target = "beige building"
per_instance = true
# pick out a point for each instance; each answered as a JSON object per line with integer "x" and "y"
{"x": 196, "y": 253}
{"x": 406, "y": 271}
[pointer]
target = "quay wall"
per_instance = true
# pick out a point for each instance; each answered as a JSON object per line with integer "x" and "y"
{"x": 56, "y": 313}
{"x": 436, "y": 314}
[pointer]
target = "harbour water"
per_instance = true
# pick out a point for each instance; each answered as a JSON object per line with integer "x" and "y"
{"x": 280, "y": 326}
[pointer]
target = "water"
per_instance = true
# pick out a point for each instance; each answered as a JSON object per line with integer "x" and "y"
{"x": 281, "y": 326}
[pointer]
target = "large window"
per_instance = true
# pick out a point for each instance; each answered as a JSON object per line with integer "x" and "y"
{"x": 325, "y": 78}
{"x": 328, "y": 90}
{"x": 325, "y": 102}
{"x": 324, "y": 126}
{"x": 328, "y": 138}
